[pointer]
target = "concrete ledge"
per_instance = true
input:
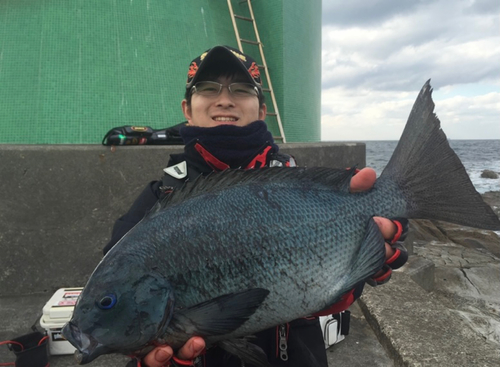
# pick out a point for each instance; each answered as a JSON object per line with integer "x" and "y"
{"x": 58, "y": 204}
{"x": 417, "y": 330}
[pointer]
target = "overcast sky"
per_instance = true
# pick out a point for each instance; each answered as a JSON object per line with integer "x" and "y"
{"x": 377, "y": 54}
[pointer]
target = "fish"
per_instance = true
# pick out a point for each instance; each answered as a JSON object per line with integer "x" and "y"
{"x": 240, "y": 251}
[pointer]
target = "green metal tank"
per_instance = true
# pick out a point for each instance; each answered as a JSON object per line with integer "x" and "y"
{"x": 71, "y": 70}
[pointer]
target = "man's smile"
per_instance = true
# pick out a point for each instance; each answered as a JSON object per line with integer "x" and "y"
{"x": 225, "y": 118}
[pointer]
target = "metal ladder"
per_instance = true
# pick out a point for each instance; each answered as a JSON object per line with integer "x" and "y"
{"x": 264, "y": 67}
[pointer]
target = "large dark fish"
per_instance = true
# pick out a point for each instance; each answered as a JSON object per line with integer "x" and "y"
{"x": 241, "y": 251}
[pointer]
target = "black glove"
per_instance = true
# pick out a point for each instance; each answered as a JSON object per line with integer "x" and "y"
{"x": 400, "y": 256}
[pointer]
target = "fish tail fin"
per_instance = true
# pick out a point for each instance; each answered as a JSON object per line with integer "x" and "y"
{"x": 430, "y": 176}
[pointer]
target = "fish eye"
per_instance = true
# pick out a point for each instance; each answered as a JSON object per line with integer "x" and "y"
{"x": 107, "y": 302}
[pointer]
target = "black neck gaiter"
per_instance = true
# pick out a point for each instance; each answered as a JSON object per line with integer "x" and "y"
{"x": 233, "y": 145}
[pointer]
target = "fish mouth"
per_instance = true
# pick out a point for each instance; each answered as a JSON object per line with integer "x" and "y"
{"x": 87, "y": 347}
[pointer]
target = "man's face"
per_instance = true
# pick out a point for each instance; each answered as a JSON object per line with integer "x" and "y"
{"x": 223, "y": 109}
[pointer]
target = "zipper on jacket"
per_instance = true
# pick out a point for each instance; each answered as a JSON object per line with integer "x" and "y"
{"x": 282, "y": 343}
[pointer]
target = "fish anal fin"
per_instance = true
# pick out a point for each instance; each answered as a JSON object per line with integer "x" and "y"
{"x": 249, "y": 353}
{"x": 370, "y": 257}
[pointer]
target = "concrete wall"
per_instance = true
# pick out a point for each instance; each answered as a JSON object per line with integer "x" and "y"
{"x": 58, "y": 204}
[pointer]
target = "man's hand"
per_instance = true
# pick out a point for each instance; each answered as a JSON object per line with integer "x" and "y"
{"x": 160, "y": 356}
{"x": 363, "y": 181}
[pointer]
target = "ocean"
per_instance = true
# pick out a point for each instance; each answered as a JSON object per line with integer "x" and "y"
{"x": 476, "y": 155}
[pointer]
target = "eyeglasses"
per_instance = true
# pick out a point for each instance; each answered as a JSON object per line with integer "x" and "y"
{"x": 212, "y": 89}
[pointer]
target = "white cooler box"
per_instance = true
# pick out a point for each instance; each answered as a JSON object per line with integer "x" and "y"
{"x": 56, "y": 313}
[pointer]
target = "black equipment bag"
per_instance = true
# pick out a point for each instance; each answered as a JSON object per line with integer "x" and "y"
{"x": 30, "y": 350}
{"x": 143, "y": 135}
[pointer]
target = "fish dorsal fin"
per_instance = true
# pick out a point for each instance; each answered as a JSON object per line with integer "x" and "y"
{"x": 334, "y": 179}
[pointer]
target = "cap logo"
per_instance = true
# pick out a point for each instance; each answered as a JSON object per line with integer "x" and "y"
{"x": 193, "y": 68}
{"x": 203, "y": 56}
{"x": 253, "y": 70}
{"x": 239, "y": 56}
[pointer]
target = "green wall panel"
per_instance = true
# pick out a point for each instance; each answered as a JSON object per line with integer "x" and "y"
{"x": 71, "y": 70}
{"x": 302, "y": 84}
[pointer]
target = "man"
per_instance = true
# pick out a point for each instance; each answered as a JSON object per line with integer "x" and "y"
{"x": 224, "y": 108}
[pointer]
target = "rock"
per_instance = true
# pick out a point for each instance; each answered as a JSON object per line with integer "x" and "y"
{"x": 425, "y": 230}
{"x": 466, "y": 267}
{"x": 489, "y": 174}
{"x": 471, "y": 237}
{"x": 492, "y": 198}
{"x": 466, "y": 281}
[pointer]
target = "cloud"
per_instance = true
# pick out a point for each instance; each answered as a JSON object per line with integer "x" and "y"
{"x": 376, "y": 54}
{"x": 382, "y": 115}
{"x": 364, "y": 114}
{"x": 469, "y": 117}
{"x": 368, "y": 12}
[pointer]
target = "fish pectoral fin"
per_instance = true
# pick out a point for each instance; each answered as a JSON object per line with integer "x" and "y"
{"x": 249, "y": 353}
{"x": 220, "y": 315}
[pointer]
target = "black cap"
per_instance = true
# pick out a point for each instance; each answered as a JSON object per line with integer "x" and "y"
{"x": 224, "y": 54}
